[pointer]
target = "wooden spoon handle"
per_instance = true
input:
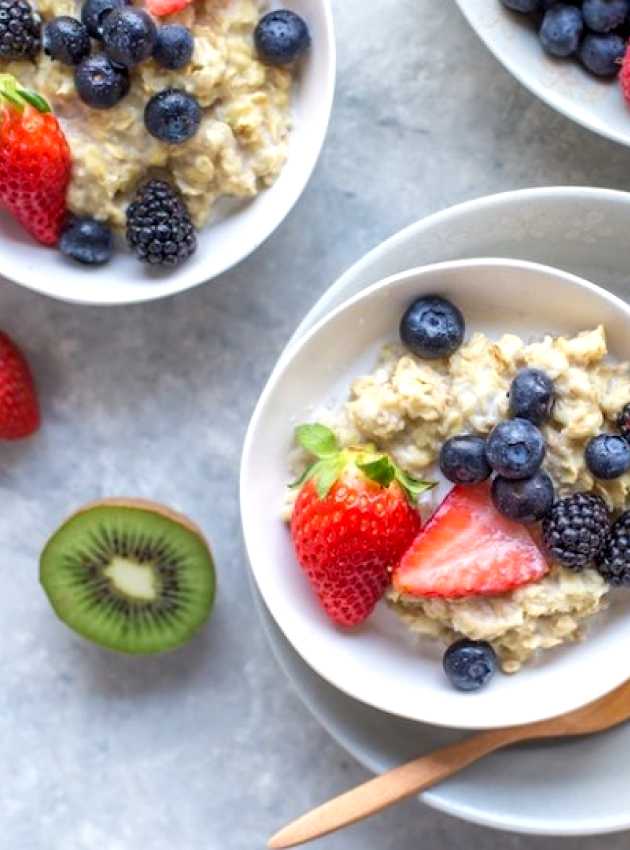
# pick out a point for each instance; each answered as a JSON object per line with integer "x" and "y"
{"x": 392, "y": 787}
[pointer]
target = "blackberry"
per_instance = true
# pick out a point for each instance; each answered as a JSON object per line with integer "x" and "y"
{"x": 575, "y": 530}
{"x": 159, "y": 228}
{"x": 614, "y": 561}
{"x": 20, "y": 30}
{"x": 623, "y": 421}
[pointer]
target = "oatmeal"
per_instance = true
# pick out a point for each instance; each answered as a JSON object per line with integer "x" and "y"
{"x": 408, "y": 407}
{"x": 239, "y": 149}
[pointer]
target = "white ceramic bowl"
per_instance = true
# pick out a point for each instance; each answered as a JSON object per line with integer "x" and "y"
{"x": 562, "y": 84}
{"x": 380, "y": 664}
{"x": 222, "y": 243}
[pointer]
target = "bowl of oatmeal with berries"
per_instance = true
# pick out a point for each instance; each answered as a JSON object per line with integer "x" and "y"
{"x": 449, "y": 460}
{"x": 153, "y": 144}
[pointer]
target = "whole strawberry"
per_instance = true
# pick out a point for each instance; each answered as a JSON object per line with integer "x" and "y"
{"x": 352, "y": 522}
{"x": 35, "y": 162}
{"x": 19, "y": 409}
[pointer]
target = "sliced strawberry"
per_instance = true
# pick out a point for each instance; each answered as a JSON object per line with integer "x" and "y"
{"x": 469, "y": 549}
{"x": 160, "y": 8}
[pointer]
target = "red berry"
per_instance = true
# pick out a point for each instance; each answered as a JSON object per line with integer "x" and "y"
{"x": 468, "y": 548}
{"x": 35, "y": 163}
{"x": 19, "y": 408}
{"x": 160, "y": 8}
{"x": 624, "y": 75}
{"x": 348, "y": 542}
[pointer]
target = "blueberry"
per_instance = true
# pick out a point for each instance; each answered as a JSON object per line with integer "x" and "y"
{"x": 527, "y": 500}
{"x": 515, "y": 449}
{"x": 605, "y": 15}
{"x": 66, "y": 40}
{"x": 94, "y": 14}
{"x": 432, "y": 327}
{"x": 524, "y": 6}
{"x": 602, "y": 54}
{"x": 463, "y": 460}
{"x": 174, "y": 47}
{"x": 469, "y": 664}
{"x": 607, "y": 456}
{"x": 87, "y": 240}
{"x": 100, "y": 83}
{"x": 129, "y": 36}
{"x": 280, "y": 37}
{"x": 172, "y": 116}
{"x": 561, "y": 30}
{"x": 531, "y": 396}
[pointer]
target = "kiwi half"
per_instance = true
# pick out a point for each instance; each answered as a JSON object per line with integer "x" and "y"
{"x": 131, "y": 576}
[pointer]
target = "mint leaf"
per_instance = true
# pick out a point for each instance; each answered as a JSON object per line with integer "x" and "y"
{"x": 317, "y": 439}
{"x": 381, "y": 470}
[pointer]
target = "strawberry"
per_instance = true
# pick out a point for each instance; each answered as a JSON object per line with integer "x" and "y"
{"x": 468, "y": 548}
{"x": 160, "y": 8}
{"x": 19, "y": 409}
{"x": 352, "y": 521}
{"x": 34, "y": 162}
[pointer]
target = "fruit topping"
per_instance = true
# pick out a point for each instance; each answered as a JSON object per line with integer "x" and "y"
{"x": 19, "y": 407}
{"x": 605, "y": 15}
{"x": 159, "y": 228}
{"x": 432, "y": 327}
{"x": 527, "y": 500}
{"x": 607, "y": 456}
{"x": 352, "y": 521}
{"x": 160, "y": 8}
{"x": 531, "y": 396}
{"x": 575, "y": 530}
{"x": 66, "y": 40}
{"x": 623, "y": 421}
{"x": 99, "y": 83}
{"x": 463, "y": 460}
{"x": 613, "y": 562}
{"x": 281, "y": 37}
{"x": 35, "y": 162}
{"x": 95, "y": 12}
{"x": 469, "y": 665}
{"x": 20, "y": 30}
{"x": 468, "y": 548}
{"x": 172, "y": 116}
{"x": 174, "y": 47}
{"x": 515, "y": 449}
{"x": 602, "y": 54}
{"x": 129, "y": 576}
{"x": 129, "y": 36}
{"x": 561, "y": 29}
{"x": 86, "y": 240}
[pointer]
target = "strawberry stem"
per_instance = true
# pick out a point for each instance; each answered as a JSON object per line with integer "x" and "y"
{"x": 18, "y": 97}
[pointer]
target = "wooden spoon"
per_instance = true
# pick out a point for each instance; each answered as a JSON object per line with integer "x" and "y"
{"x": 424, "y": 772}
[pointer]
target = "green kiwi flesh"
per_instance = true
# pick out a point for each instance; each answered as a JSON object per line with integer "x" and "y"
{"x": 131, "y": 577}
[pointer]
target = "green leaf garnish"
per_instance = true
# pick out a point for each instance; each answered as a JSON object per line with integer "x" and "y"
{"x": 35, "y": 100}
{"x": 317, "y": 439}
{"x": 414, "y": 487}
{"x": 382, "y": 470}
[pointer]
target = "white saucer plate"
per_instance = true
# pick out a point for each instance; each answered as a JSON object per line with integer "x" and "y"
{"x": 582, "y": 231}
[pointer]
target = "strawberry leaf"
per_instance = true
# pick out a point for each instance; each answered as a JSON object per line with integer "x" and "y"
{"x": 35, "y": 100}
{"x": 413, "y": 486}
{"x": 381, "y": 470}
{"x": 329, "y": 471}
{"x": 317, "y": 439}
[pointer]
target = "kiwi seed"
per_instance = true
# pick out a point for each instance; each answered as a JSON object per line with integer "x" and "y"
{"x": 130, "y": 575}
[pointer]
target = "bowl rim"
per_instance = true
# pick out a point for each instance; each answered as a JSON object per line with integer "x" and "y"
{"x": 544, "y": 94}
{"x": 27, "y": 279}
{"x": 309, "y": 655}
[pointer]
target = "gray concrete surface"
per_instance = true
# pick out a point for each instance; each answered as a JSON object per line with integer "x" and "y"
{"x": 210, "y": 748}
